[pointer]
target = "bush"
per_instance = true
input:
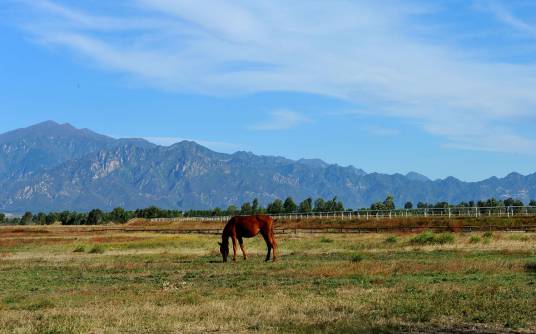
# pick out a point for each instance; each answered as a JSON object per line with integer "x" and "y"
{"x": 97, "y": 249}
{"x": 357, "y": 258}
{"x": 488, "y": 234}
{"x": 445, "y": 238}
{"x": 474, "y": 239}
{"x": 326, "y": 240}
{"x": 79, "y": 249}
{"x": 430, "y": 238}
{"x": 391, "y": 240}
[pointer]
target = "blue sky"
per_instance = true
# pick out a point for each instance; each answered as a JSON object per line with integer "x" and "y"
{"x": 442, "y": 88}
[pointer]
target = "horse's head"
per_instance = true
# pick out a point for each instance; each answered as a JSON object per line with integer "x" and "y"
{"x": 224, "y": 250}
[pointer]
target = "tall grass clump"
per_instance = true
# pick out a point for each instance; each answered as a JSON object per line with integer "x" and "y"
{"x": 474, "y": 239}
{"x": 79, "y": 249}
{"x": 97, "y": 249}
{"x": 430, "y": 238}
{"x": 357, "y": 258}
{"x": 488, "y": 234}
{"x": 391, "y": 240}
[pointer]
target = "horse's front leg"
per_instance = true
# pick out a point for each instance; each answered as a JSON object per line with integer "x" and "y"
{"x": 268, "y": 246}
{"x": 234, "y": 247}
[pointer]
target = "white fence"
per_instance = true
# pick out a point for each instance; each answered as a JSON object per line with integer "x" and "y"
{"x": 453, "y": 212}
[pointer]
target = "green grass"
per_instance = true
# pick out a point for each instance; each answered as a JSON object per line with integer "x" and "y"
{"x": 97, "y": 249}
{"x": 429, "y": 238}
{"x": 391, "y": 240}
{"x": 475, "y": 239}
{"x": 353, "y": 283}
{"x": 79, "y": 249}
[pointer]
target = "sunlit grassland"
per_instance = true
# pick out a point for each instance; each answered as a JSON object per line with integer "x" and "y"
{"x": 149, "y": 282}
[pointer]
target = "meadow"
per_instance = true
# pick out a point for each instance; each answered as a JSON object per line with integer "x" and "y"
{"x": 57, "y": 280}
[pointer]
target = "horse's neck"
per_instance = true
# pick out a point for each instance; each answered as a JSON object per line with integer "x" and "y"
{"x": 227, "y": 231}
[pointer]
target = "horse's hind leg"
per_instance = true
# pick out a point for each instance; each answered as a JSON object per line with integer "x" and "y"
{"x": 274, "y": 244}
{"x": 268, "y": 241}
{"x": 241, "y": 243}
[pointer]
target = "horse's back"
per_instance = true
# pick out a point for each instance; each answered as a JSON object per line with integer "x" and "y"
{"x": 251, "y": 225}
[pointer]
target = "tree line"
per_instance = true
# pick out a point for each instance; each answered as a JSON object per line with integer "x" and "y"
{"x": 389, "y": 204}
{"x": 277, "y": 206}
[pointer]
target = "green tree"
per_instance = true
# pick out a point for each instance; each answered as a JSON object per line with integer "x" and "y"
{"x": 275, "y": 207}
{"x": 377, "y": 206}
{"x": 532, "y": 203}
{"x": 118, "y": 215}
{"x": 65, "y": 217}
{"x": 389, "y": 203}
{"x": 512, "y": 202}
{"x": 422, "y": 205}
{"x": 40, "y": 219}
{"x": 26, "y": 218}
{"x": 217, "y": 212}
{"x": 246, "y": 209}
{"x": 255, "y": 206}
{"x": 408, "y": 205}
{"x": 2, "y": 218}
{"x": 306, "y": 205}
{"x": 94, "y": 217}
{"x": 289, "y": 206}
{"x": 320, "y": 205}
{"x": 232, "y": 210}
{"x": 52, "y": 217}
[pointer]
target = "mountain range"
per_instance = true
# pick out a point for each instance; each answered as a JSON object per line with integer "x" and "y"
{"x": 51, "y": 166}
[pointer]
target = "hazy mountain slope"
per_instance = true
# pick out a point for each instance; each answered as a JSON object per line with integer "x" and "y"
{"x": 55, "y": 167}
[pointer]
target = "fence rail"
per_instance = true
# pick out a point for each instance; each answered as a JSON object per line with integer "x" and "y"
{"x": 452, "y": 212}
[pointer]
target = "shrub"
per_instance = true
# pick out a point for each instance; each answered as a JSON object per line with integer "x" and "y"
{"x": 391, "y": 240}
{"x": 97, "y": 249}
{"x": 444, "y": 238}
{"x": 488, "y": 234}
{"x": 357, "y": 258}
{"x": 474, "y": 239}
{"x": 326, "y": 240}
{"x": 429, "y": 238}
{"x": 79, "y": 249}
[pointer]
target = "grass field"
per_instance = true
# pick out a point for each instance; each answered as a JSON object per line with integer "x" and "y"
{"x": 56, "y": 281}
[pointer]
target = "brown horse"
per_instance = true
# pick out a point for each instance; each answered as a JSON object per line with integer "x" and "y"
{"x": 240, "y": 227}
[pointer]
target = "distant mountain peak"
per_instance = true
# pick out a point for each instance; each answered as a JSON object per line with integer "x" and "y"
{"x": 414, "y": 176}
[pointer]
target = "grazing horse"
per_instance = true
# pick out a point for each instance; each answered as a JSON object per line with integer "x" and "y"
{"x": 240, "y": 227}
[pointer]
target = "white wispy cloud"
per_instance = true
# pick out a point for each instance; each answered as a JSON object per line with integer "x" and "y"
{"x": 506, "y": 16}
{"x": 366, "y": 52}
{"x": 281, "y": 120}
